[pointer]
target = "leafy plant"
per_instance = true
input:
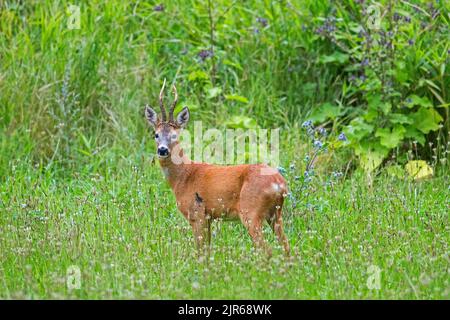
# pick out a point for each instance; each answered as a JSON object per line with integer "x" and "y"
{"x": 393, "y": 91}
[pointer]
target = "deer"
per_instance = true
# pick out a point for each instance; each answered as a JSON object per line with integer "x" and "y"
{"x": 251, "y": 193}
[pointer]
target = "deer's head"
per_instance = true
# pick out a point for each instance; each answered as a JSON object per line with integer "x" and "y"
{"x": 167, "y": 132}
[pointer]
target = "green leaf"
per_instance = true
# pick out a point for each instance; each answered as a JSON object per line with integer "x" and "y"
{"x": 371, "y": 155}
{"x": 324, "y": 112}
{"x": 415, "y": 100}
{"x": 197, "y": 75}
{"x": 374, "y": 102}
{"x": 214, "y": 92}
{"x": 358, "y": 129}
{"x": 400, "y": 72}
{"x": 370, "y": 115}
{"x": 241, "y": 122}
{"x": 426, "y": 120}
{"x": 191, "y": 105}
{"x": 235, "y": 97}
{"x": 336, "y": 57}
{"x": 400, "y": 118}
{"x": 390, "y": 138}
{"x": 415, "y": 134}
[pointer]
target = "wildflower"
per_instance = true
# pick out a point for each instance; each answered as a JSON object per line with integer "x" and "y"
{"x": 292, "y": 166}
{"x": 396, "y": 17}
{"x": 204, "y": 54}
{"x": 323, "y": 131}
{"x": 307, "y": 124}
{"x": 365, "y": 62}
{"x": 262, "y": 21}
{"x": 318, "y": 144}
{"x": 159, "y": 8}
{"x": 411, "y": 42}
{"x": 407, "y": 19}
{"x": 337, "y": 174}
{"x": 342, "y": 137}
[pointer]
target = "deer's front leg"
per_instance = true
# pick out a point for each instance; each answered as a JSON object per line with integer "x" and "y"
{"x": 200, "y": 223}
{"x": 201, "y": 228}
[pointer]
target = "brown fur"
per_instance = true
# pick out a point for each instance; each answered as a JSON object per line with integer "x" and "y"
{"x": 253, "y": 193}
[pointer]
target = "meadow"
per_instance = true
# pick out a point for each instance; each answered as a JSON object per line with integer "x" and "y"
{"x": 85, "y": 211}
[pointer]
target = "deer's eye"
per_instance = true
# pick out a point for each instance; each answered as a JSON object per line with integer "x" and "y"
{"x": 156, "y": 136}
{"x": 174, "y": 136}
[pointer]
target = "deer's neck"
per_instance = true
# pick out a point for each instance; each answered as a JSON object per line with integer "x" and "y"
{"x": 175, "y": 169}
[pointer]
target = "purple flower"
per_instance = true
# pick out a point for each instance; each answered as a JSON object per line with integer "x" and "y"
{"x": 342, "y": 137}
{"x": 159, "y": 8}
{"x": 411, "y": 42}
{"x": 407, "y": 19}
{"x": 204, "y": 54}
{"x": 263, "y": 22}
{"x": 396, "y": 17}
{"x": 365, "y": 62}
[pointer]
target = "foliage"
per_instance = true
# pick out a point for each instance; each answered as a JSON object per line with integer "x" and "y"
{"x": 393, "y": 58}
{"x": 238, "y": 64}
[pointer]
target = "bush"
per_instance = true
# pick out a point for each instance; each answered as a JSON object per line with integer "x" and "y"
{"x": 392, "y": 65}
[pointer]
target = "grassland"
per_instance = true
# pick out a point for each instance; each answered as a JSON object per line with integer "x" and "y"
{"x": 79, "y": 187}
{"x": 119, "y": 225}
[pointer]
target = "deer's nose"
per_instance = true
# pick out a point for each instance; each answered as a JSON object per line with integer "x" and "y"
{"x": 163, "y": 151}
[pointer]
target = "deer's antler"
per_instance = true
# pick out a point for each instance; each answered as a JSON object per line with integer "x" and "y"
{"x": 174, "y": 103}
{"x": 161, "y": 103}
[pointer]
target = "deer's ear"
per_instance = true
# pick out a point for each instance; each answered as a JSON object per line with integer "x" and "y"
{"x": 151, "y": 116}
{"x": 183, "y": 117}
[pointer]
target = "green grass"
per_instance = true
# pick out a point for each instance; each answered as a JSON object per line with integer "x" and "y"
{"x": 120, "y": 226}
{"x": 78, "y": 187}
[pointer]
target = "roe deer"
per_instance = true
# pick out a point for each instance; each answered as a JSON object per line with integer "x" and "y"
{"x": 249, "y": 192}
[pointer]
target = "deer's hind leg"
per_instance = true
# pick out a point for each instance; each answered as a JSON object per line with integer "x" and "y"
{"x": 252, "y": 213}
{"x": 275, "y": 221}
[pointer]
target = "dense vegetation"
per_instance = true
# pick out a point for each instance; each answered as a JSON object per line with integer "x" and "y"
{"x": 359, "y": 89}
